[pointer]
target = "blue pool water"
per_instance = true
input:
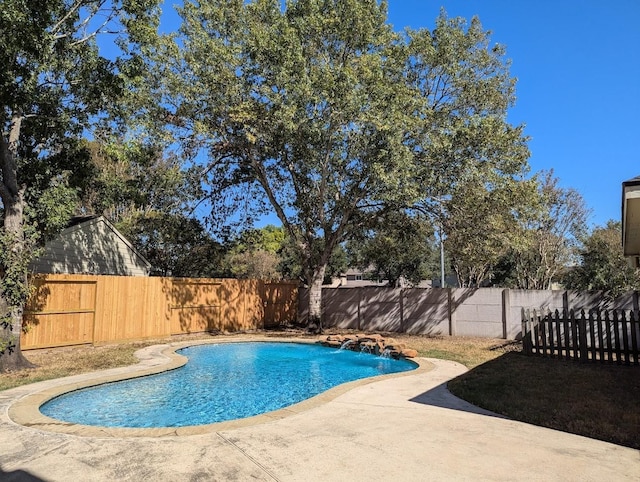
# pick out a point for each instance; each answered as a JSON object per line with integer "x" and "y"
{"x": 220, "y": 382}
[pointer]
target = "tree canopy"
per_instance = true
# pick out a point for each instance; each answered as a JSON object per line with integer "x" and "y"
{"x": 54, "y": 84}
{"x": 322, "y": 113}
{"x": 544, "y": 236}
{"x": 400, "y": 247}
{"x": 602, "y": 265}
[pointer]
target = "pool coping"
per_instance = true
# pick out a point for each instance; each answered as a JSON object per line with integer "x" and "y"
{"x": 154, "y": 359}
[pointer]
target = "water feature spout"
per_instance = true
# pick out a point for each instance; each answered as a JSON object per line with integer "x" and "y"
{"x": 346, "y": 344}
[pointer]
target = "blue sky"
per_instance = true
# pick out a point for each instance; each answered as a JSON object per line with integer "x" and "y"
{"x": 578, "y": 93}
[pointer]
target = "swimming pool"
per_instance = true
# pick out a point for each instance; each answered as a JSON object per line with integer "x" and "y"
{"x": 220, "y": 382}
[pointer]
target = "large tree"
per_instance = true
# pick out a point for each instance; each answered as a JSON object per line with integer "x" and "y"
{"x": 602, "y": 265}
{"x": 322, "y": 113}
{"x": 255, "y": 253}
{"x": 480, "y": 223}
{"x": 53, "y": 84}
{"x": 399, "y": 246}
{"x": 545, "y": 240}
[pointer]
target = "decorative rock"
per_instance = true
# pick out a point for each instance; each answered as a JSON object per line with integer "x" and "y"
{"x": 370, "y": 343}
{"x": 396, "y": 346}
{"x": 333, "y": 343}
{"x": 409, "y": 353}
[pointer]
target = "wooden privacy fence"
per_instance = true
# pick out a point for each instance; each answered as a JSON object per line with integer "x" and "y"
{"x": 81, "y": 309}
{"x": 599, "y": 336}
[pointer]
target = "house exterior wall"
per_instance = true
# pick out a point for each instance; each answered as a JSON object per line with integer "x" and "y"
{"x": 93, "y": 247}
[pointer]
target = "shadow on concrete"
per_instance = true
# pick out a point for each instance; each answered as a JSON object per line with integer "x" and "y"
{"x": 441, "y": 397}
{"x": 19, "y": 476}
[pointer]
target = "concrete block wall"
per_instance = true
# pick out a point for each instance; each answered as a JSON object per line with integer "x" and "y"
{"x": 542, "y": 300}
{"x": 483, "y": 312}
{"x": 380, "y": 309}
{"x": 426, "y": 311}
{"x": 477, "y": 312}
{"x": 341, "y": 308}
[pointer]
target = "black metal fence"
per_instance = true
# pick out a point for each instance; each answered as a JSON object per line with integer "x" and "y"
{"x": 609, "y": 336}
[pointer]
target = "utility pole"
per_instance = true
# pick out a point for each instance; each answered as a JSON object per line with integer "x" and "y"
{"x": 441, "y": 258}
{"x": 441, "y": 243}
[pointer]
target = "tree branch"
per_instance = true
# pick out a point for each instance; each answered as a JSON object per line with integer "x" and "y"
{"x": 70, "y": 12}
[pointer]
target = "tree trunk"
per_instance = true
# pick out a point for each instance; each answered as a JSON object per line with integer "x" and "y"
{"x": 11, "y": 312}
{"x": 11, "y": 357}
{"x": 14, "y": 260}
{"x": 314, "y": 323}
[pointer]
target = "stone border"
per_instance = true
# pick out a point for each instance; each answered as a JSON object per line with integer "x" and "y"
{"x": 160, "y": 358}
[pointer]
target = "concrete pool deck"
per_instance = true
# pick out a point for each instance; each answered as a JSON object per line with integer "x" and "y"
{"x": 406, "y": 427}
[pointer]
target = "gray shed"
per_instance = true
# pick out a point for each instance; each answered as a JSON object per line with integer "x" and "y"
{"x": 91, "y": 245}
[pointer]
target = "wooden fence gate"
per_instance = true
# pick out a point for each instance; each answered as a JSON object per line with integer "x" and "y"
{"x": 601, "y": 336}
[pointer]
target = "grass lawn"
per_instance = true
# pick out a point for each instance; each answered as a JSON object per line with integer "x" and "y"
{"x": 598, "y": 401}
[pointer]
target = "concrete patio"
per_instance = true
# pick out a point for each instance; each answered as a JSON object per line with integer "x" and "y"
{"x": 406, "y": 428}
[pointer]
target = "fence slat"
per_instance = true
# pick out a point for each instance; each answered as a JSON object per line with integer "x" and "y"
{"x": 592, "y": 336}
{"x": 567, "y": 334}
{"x": 574, "y": 334}
{"x": 616, "y": 334}
{"x": 582, "y": 338}
{"x": 550, "y": 332}
{"x": 559, "y": 337}
{"x": 543, "y": 336}
{"x": 600, "y": 336}
{"x": 607, "y": 324}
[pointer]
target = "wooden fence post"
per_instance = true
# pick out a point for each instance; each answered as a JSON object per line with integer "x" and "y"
{"x": 506, "y": 312}
{"x": 526, "y": 334}
{"x": 452, "y": 312}
{"x": 359, "y": 324}
{"x": 565, "y": 302}
{"x": 401, "y": 300}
